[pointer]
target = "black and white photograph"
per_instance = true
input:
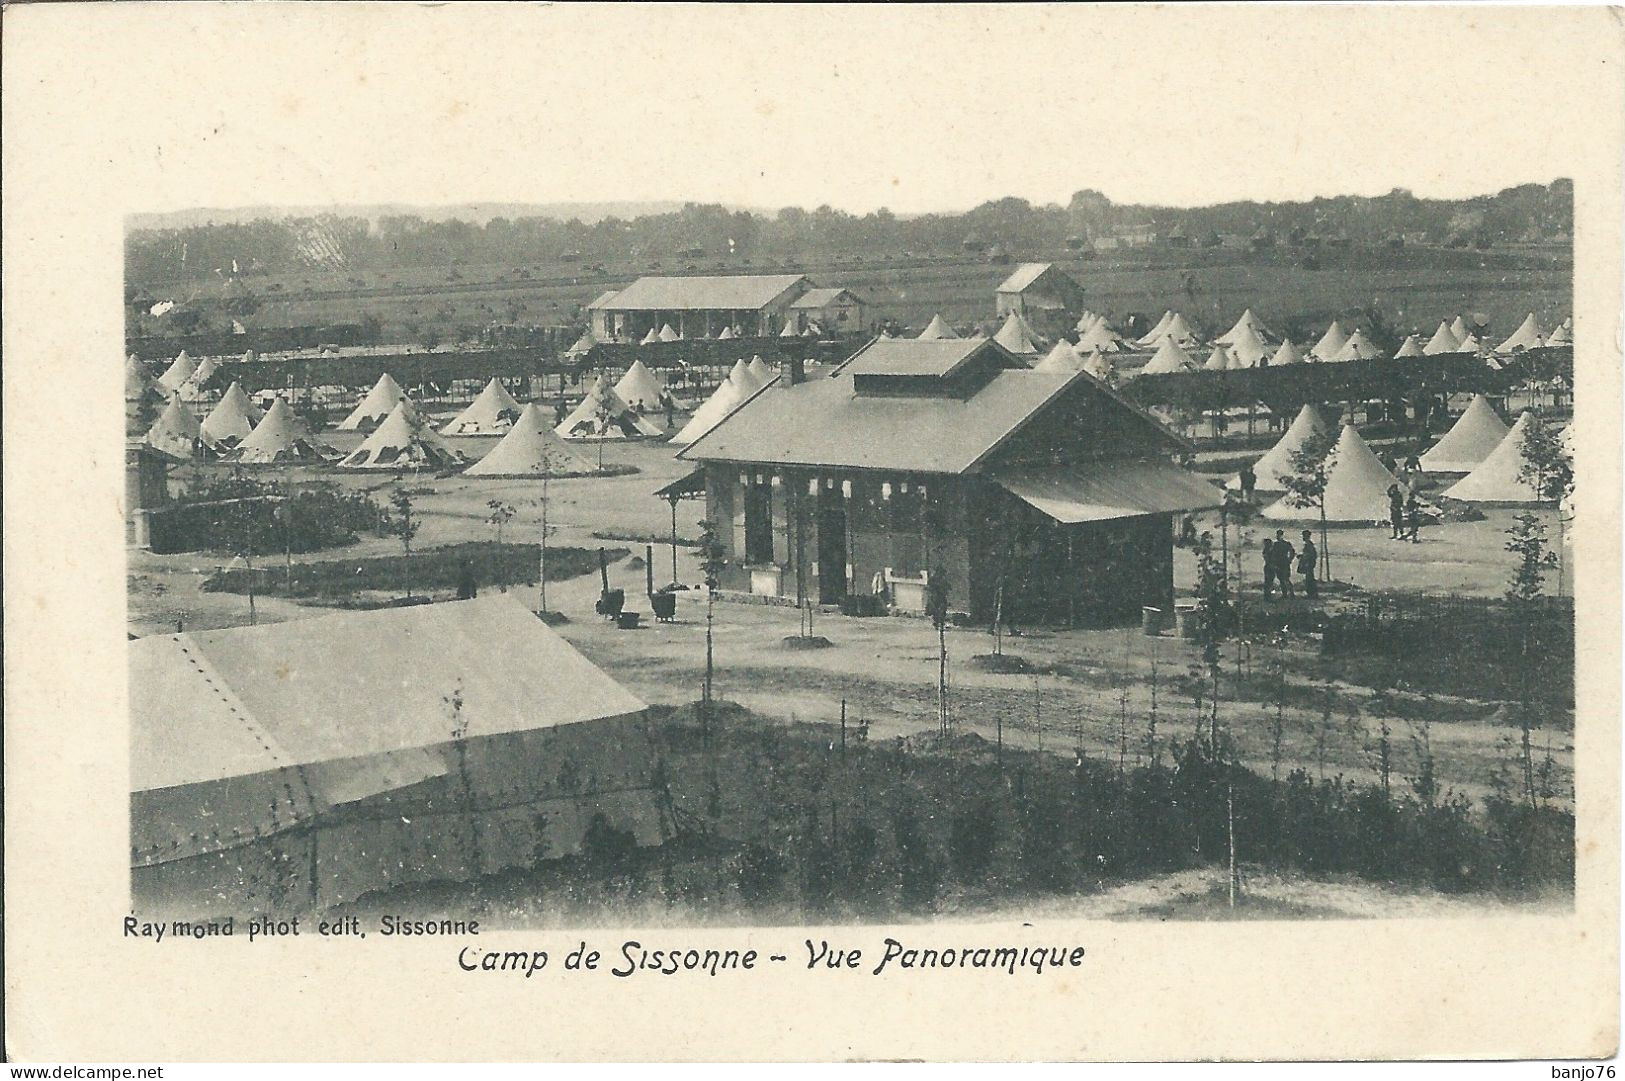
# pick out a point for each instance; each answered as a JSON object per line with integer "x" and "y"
{"x": 627, "y": 505}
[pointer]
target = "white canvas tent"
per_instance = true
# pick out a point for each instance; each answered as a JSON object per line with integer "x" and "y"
{"x": 193, "y": 389}
{"x": 760, "y": 371}
{"x": 725, "y": 334}
{"x": 667, "y": 334}
{"x": 1330, "y": 343}
{"x": 1458, "y": 327}
{"x": 1153, "y": 337}
{"x": 405, "y": 440}
{"x": 789, "y": 331}
{"x": 1444, "y": 340}
{"x": 936, "y": 329}
{"x": 1247, "y": 318}
{"x": 1032, "y": 335}
{"x": 1061, "y": 358}
{"x": 1287, "y": 354}
{"x": 741, "y": 374}
{"x": 230, "y": 421}
{"x": 723, "y": 401}
{"x": 1527, "y": 336}
{"x": 601, "y": 414}
{"x": 583, "y": 345}
{"x": 1277, "y": 461}
{"x": 1356, "y": 487}
{"x": 1496, "y": 479}
{"x": 1182, "y": 333}
{"x": 651, "y": 338}
{"x": 492, "y": 412}
{"x": 1169, "y": 358}
{"x": 135, "y": 379}
{"x": 1220, "y": 360}
{"x": 379, "y": 402}
{"x": 1410, "y": 347}
{"x": 175, "y": 432}
{"x": 1563, "y": 334}
{"x": 1099, "y": 365}
{"x": 178, "y": 372}
{"x": 1247, "y": 348}
{"x": 1013, "y": 337}
{"x": 1358, "y": 347}
{"x": 281, "y": 437}
{"x": 1101, "y": 338}
{"x": 1474, "y": 437}
{"x": 530, "y": 449}
{"x": 640, "y": 388}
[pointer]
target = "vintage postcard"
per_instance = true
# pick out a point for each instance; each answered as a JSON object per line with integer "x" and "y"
{"x": 984, "y": 532}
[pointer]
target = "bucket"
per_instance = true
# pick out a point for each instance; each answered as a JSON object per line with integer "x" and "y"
{"x": 1151, "y": 621}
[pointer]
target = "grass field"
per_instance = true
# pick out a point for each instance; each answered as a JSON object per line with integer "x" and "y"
{"x": 1413, "y": 287}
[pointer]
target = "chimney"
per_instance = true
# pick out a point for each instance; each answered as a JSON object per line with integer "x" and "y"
{"x": 793, "y": 369}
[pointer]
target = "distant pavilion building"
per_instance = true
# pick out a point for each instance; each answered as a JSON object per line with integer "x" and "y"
{"x": 1046, "y": 495}
{"x": 698, "y": 306}
{"x": 1042, "y": 293}
{"x": 835, "y": 312}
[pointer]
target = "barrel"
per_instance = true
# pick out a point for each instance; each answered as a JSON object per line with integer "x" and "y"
{"x": 1151, "y": 621}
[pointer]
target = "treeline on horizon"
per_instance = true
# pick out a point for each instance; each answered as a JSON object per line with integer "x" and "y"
{"x": 1526, "y": 213}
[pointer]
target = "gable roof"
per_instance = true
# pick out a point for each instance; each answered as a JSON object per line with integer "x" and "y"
{"x": 824, "y": 422}
{"x": 735, "y": 292}
{"x": 1024, "y": 276}
{"x": 938, "y": 357}
{"x": 603, "y": 299}
{"x": 821, "y": 298}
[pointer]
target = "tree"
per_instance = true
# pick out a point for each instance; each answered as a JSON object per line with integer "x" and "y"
{"x": 405, "y": 526}
{"x": 712, "y": 562}
{"x": 1214, "y": 616}
{"x": 501, "y": 514}
{"x": 1306, "y": 484}
{"x": 1546, "y": 466}
{"x": 1527, "y": 542}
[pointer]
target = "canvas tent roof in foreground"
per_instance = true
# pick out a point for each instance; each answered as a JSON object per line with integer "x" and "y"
{"x": 344, "y": 723}
{"x": 1474, "y": 437}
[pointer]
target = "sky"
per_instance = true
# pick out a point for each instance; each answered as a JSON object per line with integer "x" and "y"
{"x": 910, "y": 108}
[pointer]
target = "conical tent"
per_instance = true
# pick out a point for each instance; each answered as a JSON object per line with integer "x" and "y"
{"x": 1410, "y": 347}
{"x": 1330, "y": 343}
{"x": 1458, "y": 327}
{"x": 1154, "y": 336}
{"x": 230, "y": 421}
{"x": 1287, "y": 354}
{"x": 725, "y": 334}
{"x": 1101, "y": 338}
{"x": 1358, "y": 347}
{"x": 175, "y": 432}
{"x": 491, "y": 413}
{"x": 1563, "y": 335}
{"x": 1085, "y": 321}
{"x": 192, "y": 390}
{"x": 789, "y": 331}
{"x": 1099, "y": 365}
{"x": 1356, "y": 487}
{"x": 1169, "y": 358}
{"x": 1247, "y": 318}
{"x": 760, "y": 372}
{"x": 583, "y": 344}
{"x": 667, "y": 334}
{"x": 1061, "y": 358}
{"x": 937, "y": 329}
{"x": 723, "y": 401}
{"x": 178, "y": 372}
{"x": 1470, "y": 344}
{"x": 384, "y": 396}
{"x": 603, "y": 415}
{"x": 741, "y": 375}
{"x": 1032, "y": 335}
{"x": 1474, "y": 437}
{"x": 1219, "y": 360}
{"x": 530, "y": 449}
{"x": 651, "y": 337}
{"x": 640, "y": 388}
{"x": 135, "y": 379}
{"x": 1013, "y": 338}
{"x": 281, "y": 437}
{"x": 1182, "y": 333}
{"x": 1247, "y": 348}
{"x": 404, "y": 440}
{"x": 1527, "y": 336}
{"x": 1277, "y": 461}
{"x": 1497, "y": 478}
{"x": 1444, "y": 340}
